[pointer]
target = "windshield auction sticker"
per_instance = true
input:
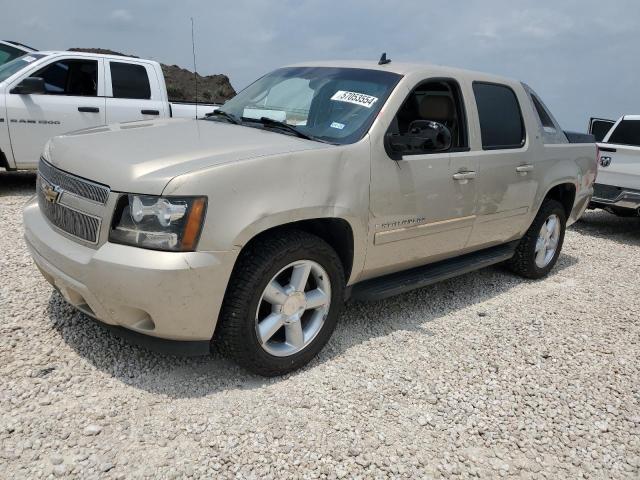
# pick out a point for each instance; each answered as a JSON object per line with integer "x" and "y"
{"x": 355, "y": 98}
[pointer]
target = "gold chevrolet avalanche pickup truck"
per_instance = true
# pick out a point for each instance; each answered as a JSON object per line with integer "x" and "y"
{"x": 319, "y": 182}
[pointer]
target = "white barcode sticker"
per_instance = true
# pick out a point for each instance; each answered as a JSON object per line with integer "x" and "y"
{"x": 355, "y": 98}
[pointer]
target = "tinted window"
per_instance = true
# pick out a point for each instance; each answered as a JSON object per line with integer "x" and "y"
{"x": 8, "y": 53}
{"x": 436, "y": 101}
{"x": 129, "y": 81}
{"x": 70, "y": 77}
{"x": 501, "y": 124}
{"x": 626, "y": 133}
{"x": 544, "y": 117}
{"x": 600, "y": 128}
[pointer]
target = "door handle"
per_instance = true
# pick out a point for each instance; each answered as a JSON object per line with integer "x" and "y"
{"x": 89, "y": 109}
{"x": 524, "y": 168}
{"x": 150, "y": 112}
{"x": 460, "y": 176}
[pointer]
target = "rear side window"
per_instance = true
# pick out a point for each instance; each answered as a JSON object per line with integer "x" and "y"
{"x": 626, "y": 133}
{"x": 544, "y": 117}
{"x": 70, "y": 77}
{"x": 129, "y": 81}
{"x": 501, "y": 124}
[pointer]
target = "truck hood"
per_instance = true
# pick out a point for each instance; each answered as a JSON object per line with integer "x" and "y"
{"x": 142, "y": 157}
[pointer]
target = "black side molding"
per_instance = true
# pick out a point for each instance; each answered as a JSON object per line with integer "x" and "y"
{"x": 159, "y": 345}
{"x": 401, "y": 282}
{"x": 576, "y": 137}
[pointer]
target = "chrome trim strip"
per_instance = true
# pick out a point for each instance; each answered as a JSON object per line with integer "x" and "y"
{"x": 413, "y": 231}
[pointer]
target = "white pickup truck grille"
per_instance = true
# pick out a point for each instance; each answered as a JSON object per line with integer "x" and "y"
{"x": 53, "y": 185}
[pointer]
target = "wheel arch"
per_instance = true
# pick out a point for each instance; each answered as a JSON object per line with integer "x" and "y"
{"x": 563, "y": 192}
{"x": 339, "y": 232}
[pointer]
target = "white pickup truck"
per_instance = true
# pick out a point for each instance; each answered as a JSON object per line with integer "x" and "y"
{"x": 617, "y": 189}
{"x": 44, "y": 94}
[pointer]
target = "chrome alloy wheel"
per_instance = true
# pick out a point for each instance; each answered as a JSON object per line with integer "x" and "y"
{"x": 293, "y": 308}
{"x": 547, "y": 242}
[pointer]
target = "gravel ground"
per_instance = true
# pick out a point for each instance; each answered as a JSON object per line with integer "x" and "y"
{"x": 485, "y": 375}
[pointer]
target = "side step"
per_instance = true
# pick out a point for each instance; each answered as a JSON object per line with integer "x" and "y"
{"x": 401, "y": 282}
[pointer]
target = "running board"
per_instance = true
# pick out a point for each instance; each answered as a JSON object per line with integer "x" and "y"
{"x": 401, "y": 282}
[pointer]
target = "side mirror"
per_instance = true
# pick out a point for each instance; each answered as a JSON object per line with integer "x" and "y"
{"x": 30, "y": 85}
{"x": 423, "y": 136}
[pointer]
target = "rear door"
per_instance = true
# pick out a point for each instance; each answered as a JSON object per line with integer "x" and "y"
{"x": 619, "y": 162}
{"x": 133, "y": 92}
{"x": 73, "y": 100}
{"x": 506, "y": 182}
{"x": 599, "y": 127}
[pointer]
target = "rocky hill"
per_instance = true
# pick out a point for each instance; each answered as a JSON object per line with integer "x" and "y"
{"x": 181, "y": 83}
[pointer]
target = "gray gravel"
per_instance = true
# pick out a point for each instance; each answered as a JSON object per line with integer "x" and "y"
{"x": 485, "y": 375}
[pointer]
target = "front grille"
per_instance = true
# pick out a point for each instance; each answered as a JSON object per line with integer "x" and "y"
{"x": 76, "y": 185}
{"x": 78, "y": 224}
{"x": 606, "y": 192}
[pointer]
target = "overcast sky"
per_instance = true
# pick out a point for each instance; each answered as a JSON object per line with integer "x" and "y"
{"x": 581, "y": 56}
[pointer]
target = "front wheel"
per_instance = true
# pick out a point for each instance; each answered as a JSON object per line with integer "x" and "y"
{"x": 282, "y": 303}
{"x": 538, "y": 250}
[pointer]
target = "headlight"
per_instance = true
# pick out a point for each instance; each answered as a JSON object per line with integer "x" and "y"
{"x": 158, "y": 223}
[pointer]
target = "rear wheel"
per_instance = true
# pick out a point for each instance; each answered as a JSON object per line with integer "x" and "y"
{"x": 538, "y": 250}
{"x": 282, "y": 303}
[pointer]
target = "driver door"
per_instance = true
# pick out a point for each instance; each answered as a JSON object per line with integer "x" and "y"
{"x": 423, "y": 203}
{"x": 73, "y": 99}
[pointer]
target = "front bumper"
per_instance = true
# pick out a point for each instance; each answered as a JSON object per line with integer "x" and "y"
{"x": 173, "y": 296}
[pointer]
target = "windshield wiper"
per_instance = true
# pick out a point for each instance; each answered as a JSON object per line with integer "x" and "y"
{"x": 270, "y": 122}
{"x": 225, "y": 115}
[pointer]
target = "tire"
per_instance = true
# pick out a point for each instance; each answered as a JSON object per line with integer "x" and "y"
{"x": 246, "y": 304}
{"x": 524, "y": 261}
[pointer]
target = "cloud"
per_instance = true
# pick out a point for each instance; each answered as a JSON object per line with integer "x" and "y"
{"x": 575, "y": 54}
{"x": 121, "y": 16}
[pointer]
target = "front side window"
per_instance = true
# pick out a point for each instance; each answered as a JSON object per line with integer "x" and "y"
{"x": 335, "y": 105}
{"x": 501, "y": 124}
{"x": 70, "y": 77}
{"x": 433, "y": 101}
{"x": 129, "y": 81}
{"x": 14, "y": 66}
{"x": 626, "y": 133}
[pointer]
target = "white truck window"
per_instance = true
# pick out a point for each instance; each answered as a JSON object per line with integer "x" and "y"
{"x": 129, "y": 80}
{"x": 70, "y": 77}
{"x": 626, "y": 133}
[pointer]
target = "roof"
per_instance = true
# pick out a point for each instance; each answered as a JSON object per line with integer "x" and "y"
{"x": 69, "y": 53}
{"x": 402, "y": 68}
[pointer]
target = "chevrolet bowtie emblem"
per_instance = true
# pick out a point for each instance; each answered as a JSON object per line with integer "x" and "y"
{"x": 51, "y": 193}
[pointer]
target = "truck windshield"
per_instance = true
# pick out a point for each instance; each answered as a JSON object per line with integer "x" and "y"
{"x": 336, "y": 105}
{"x": 17, "y": 64}
{"x": 626, "y": 133}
